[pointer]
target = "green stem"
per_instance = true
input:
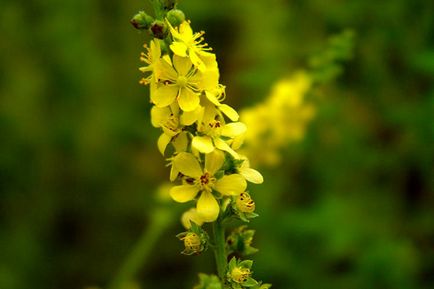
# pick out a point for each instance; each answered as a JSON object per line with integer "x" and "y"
{"x": 160, "y": 220}
{"x": 219, "y": 250}
{"x": 158, "y": 9}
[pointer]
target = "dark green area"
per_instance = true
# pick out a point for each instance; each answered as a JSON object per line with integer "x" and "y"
{"x": 352, "y": 206}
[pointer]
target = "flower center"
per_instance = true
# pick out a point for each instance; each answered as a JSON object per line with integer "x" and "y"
{"x": 206, "y": 182}
{"x": 182, "y": 81}
{"x": 215, "y": 128}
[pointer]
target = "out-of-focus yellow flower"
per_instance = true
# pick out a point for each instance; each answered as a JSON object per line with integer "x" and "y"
{"x": 189, "y": 44}
{"x": 204, "y": 181}
{"x": 281, "y": 119}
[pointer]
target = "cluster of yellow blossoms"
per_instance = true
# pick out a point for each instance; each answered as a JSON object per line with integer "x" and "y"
{"x": 279, "y": 120}
{"x": 198, "y": 130}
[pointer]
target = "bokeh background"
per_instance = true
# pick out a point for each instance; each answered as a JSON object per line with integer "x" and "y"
{"x": 351, "y": 205}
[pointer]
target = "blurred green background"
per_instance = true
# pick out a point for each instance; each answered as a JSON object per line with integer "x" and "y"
{"x": 351, "y": 206}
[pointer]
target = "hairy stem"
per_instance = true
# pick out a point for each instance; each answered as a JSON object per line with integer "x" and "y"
{"x": 160, "y": 220}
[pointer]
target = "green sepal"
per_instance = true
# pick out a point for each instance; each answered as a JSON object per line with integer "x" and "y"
{"x": 250, "y": 282}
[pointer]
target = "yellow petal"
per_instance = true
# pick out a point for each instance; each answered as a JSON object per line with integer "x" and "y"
{"x": 238, "y": 141}
{"x": 155, "y": 49}
{"x": 208, "y": 207}
{"x": 188, "y": 100}
{"x": 183, "y": 193}
{"x": 229, "y": 112}
{"x": 187, "y": 164}
{"x": 181, "y": 142}
{"x": 159, "y": 115}
{"x": 234, "y": 129}
{"x": 203, "y": 144}
{"x": 173, "y": 173}
{"x": 197, "y": 61}
{"x": 182, "y": 64}
{"x": 211, "y": 97}
{"x": 221, "y": 145}
{"x": 164, "y": 95}
{"x": 190, "y": 117}
{"x": 231, "y": 185}
{"x": 251, "y": 175}
{"x": 179, "y": 48}
{"x": 189, "y": 216}
{"x": 162, "y": 142}
{"x": 210, "y": 79}
{"x": 214, "y": 161}
{"x": 185, "y": 30}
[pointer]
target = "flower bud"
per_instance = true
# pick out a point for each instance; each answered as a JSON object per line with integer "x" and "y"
{"x": 192, "y": 242}
{"x": 240, "y": 274}
{"x": 159, "y": 29}
{"x": 175, "y": 17}
{"x": 245, "y": 203}
{"x": 142, "y": 20}
{"x": 195, "y": 240}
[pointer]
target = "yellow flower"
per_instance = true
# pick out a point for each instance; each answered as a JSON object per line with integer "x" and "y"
{"x": 186, "y": 43}
{"x": 204, "y": 181}
{"x": 211, "y": 136}
{"x": 215, "y": 97}
{"x": 248, "y": 173}
{"x": 151, "y": 58}
{"x": 168, "y": 119}
{"x": 182, "y": 82}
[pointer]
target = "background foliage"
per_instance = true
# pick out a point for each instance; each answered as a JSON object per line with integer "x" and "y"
{"x": 351, "y": 206}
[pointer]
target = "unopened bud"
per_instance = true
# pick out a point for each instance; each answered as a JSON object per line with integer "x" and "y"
{"x": 175, "y": 17}
{"x": 159, "y": 29}
{"x": 240, "y": 275}
{"x": 245, "y": 203}
{"x": 142, "y": 20}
